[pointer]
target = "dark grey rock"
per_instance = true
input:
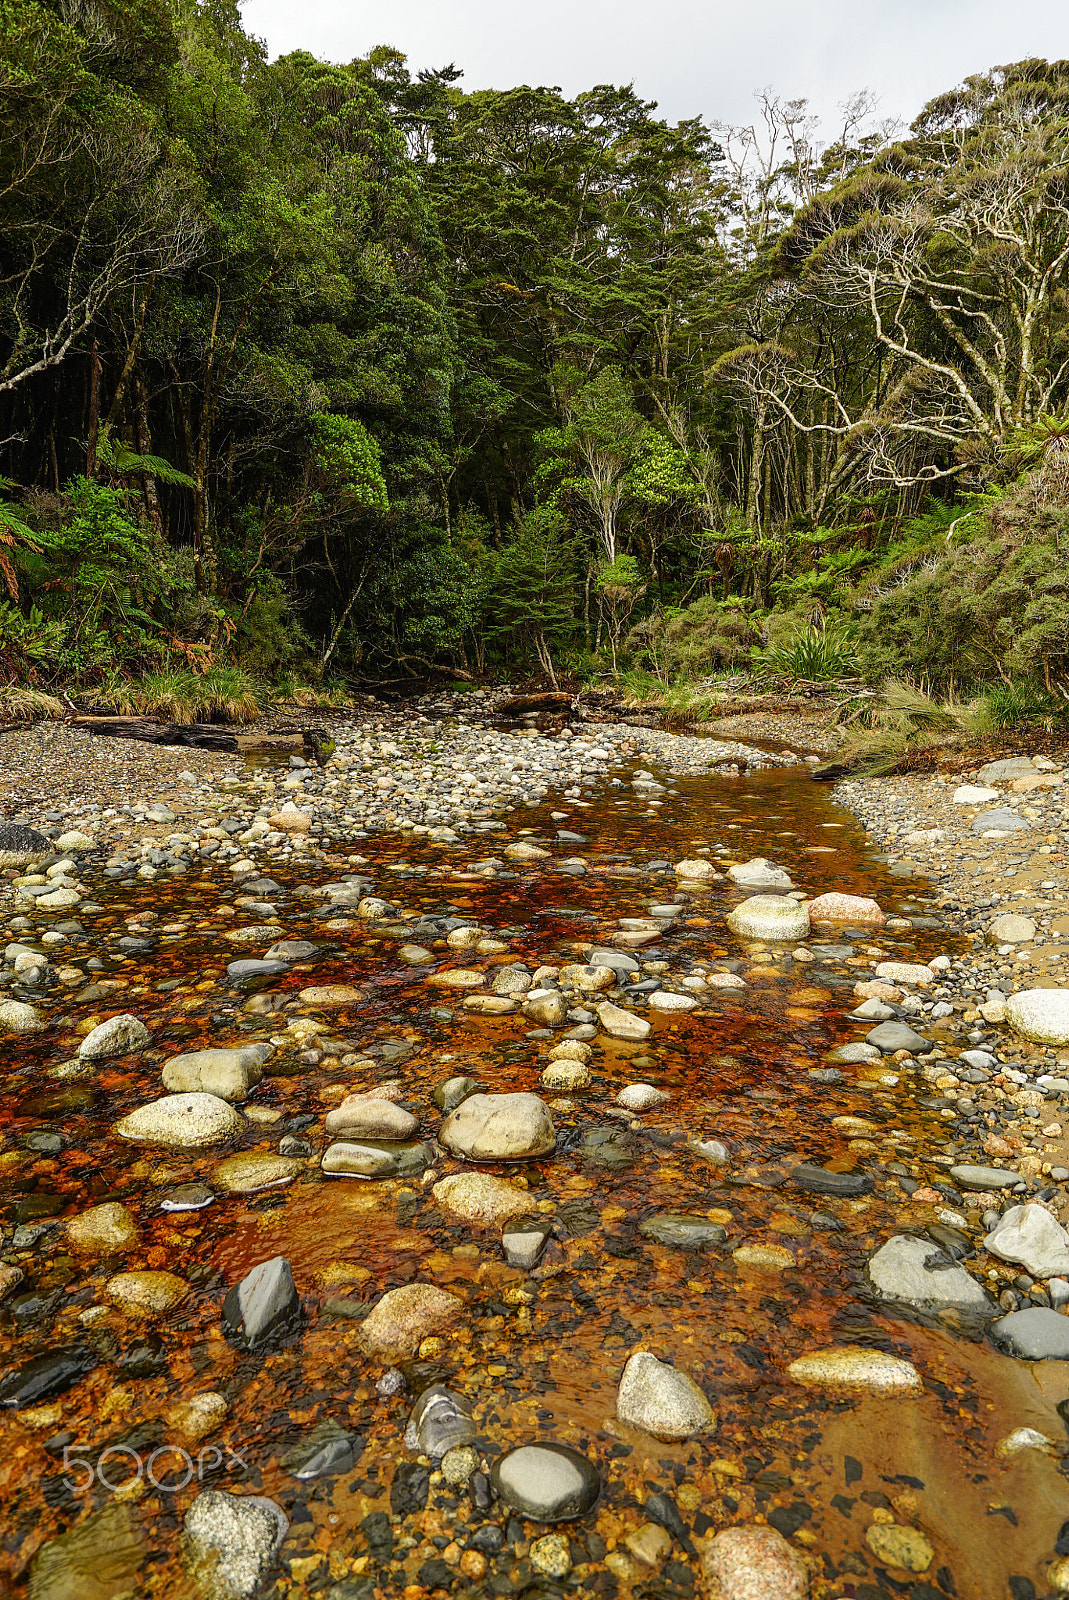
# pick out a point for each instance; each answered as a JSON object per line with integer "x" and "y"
{"x": 440, "y": 1421}
{"x": 984, "y": 1177}
{"x": 818, "y": 1180}
{"x": 46, "y": 1375}
{"x": 291, "y": 950}
{"x": 323, "y": 1453}
{"x": 264, "y": 1306}
{"x": 1036, "y": 1334}
{"x": 187, "y": 1197}
{"x": 682, "y": 1232}
{"x": 247, "y": 970}
{"x": 889, "y": 1037}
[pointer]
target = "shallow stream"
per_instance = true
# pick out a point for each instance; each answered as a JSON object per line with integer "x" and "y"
{"x": 535, "y": 1357}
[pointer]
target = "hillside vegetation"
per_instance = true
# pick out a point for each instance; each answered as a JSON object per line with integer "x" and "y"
{"x": 315, "y": 374}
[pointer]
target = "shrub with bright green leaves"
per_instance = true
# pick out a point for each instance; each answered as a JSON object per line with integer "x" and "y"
{"x": 814, "y": 655}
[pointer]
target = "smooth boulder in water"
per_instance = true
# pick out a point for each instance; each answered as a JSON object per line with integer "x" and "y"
{"x": 546, "y": 1482}
{"x": 759, "y": 874}
{"x": 818, "y": 1180}
{"x": 264, "y": 1306}
{"x": 228, "y": 1074}
{"x": 769, "y": 916}
{"x": 680, "y": 1231}
{"x": 499, "y": 1127}
{"x": 373, "y": 1158}
{"x": 919, "y": 1273}
{"x": 890, "y": 1037}
{"x": 1030, "y": 1235}
{"x": 1035, "y": 1334}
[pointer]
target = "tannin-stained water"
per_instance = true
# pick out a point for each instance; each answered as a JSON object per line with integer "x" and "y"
{"x": 537, "y": 1357}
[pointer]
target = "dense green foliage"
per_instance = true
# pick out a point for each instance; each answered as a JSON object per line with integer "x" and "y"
{"x": 316, "y": 370}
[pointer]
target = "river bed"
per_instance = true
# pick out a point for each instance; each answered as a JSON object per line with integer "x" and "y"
{"x": 535, "y": 1356}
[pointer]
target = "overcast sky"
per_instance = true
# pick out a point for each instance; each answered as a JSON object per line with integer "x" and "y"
{"x": 695, "y": 57}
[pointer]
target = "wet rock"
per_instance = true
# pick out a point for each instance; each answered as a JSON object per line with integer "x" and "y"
{"x": 146, "y": 1294}
{"x": 370, "y": 1158}
{"x": 901, "y": 1547}
{"x": 44, "y": 1376}
{"x": 769, "y": 916}
{"x": 546, "y": 1482}
{"x": 458, "y": 1466}
{"x": 187, "y": 1120}
{"x": 852, "y": 908}
{"x": 416, "y": 955}
{"x": 499, "y": 1127}
{"x": 18, "y": 1017}
{"x": 98, "y": 1559}
{"x": 890, "y": 1037}
{"x": 20, "y": 844}
{"x": 712, "y": 1150}
{"x": 227, "y": 1074}
{"x": 618, "y": 960}
{"x": 853, "y": 1367}
{"x": 523, "y": 1240}
{"x": 199, "y": 1416}
{"x": 332, "y": 994}
{"x": 550, "y": 1556}
{"x": 818, "y": 1180}
{"x": 680, "y": 1231}
{"x": 641, "y": 1097}
{"x": 105, "y": 1230}
{"x": 249, "y": 970}
{"x": 522, "y": 851}
{"x": 696, "y": 871}
{"x": 650, "y": 1545}
{"x": 1040, "y": 1014}
{"x": 665, "y": 1000}
{"x": 403, "y": 1317}
{"x": 566, "y": 1075}
{"x": 620, "y": 1023}
{"x": 264, "y": 1306}
{"x": 187, "y": 1197}
{"x": 441, "y": 1421}
{"x": 591, "y": 979}
{"x": 324, "y": 1452}
{"x": 919, "y": 1273}
{"x": 759, "y": 874}
{"x": 253, "y": 1170}
{"x": 480, "y": 1197}
{"x": 763, "y": 1257}
{"x": 454, "y": 1091}
{"x": 546, "y": 1007}
{"x": 1035, "y": 1334}
{"x": 459, "y": 978}
{"x": 232, "y": 1542}
{"x": 292, "y": 950}
{"x": 983, "y": 1177}
{"x": 661, "y": 1400}
{"x": 754, "y": 1563}
{"x": 847, "y": 1055}
{"x": 1030, "y": 1235}
{"x": 364, "y": 1116}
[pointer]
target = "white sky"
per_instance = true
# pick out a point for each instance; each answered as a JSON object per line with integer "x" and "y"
{"x": 694, "y": 58}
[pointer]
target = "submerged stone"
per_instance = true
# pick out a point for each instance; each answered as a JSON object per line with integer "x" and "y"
{"x": 264, "y": 1306}
{"x": 440, "y": 1421}
{"x": 546, "y": 1482}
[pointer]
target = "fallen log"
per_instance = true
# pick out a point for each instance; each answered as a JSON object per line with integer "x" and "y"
{"x": 523, "y": 705}
{"x": 191, "y": 735}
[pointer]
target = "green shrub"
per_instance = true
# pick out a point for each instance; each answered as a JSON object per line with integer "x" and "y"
{"x": 705, "y": 637}
{"x": 814, "y": 654}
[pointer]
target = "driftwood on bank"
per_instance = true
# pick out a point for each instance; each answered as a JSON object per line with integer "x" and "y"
{"x": 192, "y": 735}
{"x": 523, "y": 705}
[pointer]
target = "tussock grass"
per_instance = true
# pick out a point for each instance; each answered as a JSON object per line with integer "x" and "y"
{"x": 223, "y": 693}
{"x": 20, "y": 703}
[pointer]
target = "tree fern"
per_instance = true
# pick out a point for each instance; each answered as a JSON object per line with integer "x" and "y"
{"x": 122, "y": 461}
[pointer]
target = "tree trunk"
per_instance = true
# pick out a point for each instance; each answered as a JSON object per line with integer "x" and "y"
{"x": 94, "y": 409}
